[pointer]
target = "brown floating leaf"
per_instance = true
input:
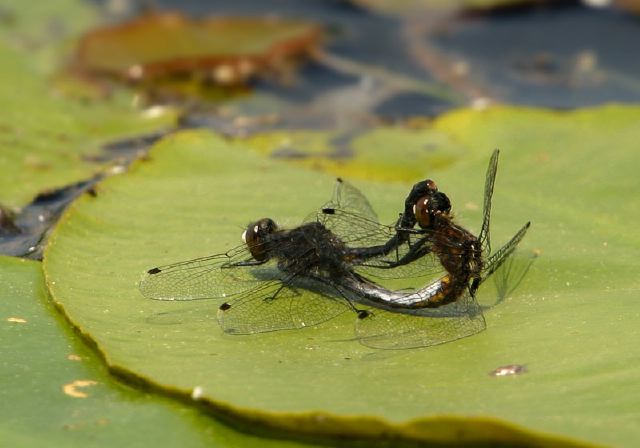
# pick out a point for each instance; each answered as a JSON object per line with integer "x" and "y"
{"x": 225, "y": 50}
{"x": 631, "y": 6}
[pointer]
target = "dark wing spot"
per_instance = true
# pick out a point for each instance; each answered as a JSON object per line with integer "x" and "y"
{"x": 225, "y": 306}
{"x": 329, "y": 211}
{"x": 363, "y": 314}
{"x": 154, "y": 271}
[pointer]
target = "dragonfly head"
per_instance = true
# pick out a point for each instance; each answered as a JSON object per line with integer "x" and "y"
{"x": 256, "y": 237}
{"x": 425, "y": 204}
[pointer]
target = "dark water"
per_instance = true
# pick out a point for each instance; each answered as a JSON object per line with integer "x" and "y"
{"x": 559, "y": 58}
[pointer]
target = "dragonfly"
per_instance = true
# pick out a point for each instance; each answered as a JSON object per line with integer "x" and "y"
{"x": 274, "y": 281}
{"x": 446, "y": 308}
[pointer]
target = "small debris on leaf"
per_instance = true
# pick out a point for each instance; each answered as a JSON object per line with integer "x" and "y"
{"x": 17, "y": 320}
{"x": 73, "y": 389}
{"x": 509, "y": 370}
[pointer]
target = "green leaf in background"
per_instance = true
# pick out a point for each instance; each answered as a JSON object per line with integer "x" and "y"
{"x": 43, "y": 30}
{"x": 55, "y": 392}
{"x": 573, "y": 321}
{"x": 382, "y": 154}
{"x": 48, "y": 140}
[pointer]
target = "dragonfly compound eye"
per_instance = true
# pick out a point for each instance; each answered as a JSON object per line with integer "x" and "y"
{"x": 255, "y": 236}
{"x": 421, "y": 211}
{"x": 427, "y": 207}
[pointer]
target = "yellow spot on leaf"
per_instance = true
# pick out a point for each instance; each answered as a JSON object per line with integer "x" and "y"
{"x": 72, "y": 389}
{"x": 471, "y": 206}
{"x": 18, "y": 320}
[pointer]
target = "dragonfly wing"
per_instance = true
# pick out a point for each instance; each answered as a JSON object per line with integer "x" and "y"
{"x": 378, "y": 328}
{"x": 490, "y": 180}
{"x": 349, "y": 215}
{"x": 347, "y": 197}
{"x": 215, "y": 276}
{"x": 509, "y": 276}
{"x": 354, "y": 229}
{"x": 278, "y": 305}
{"x": 501, "y": 255}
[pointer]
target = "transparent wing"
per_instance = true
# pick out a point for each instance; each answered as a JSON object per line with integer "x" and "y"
{"x": 279, "y": 306}
{"x": 354, "y": 229}
{"x": 490, "y": 180}
{"x": 378, "y": 328}
{"x": 215, "y": 276}
{"x": 501, "y": 255}
{"x": 349, "y": 198}
{"x": 509, "y": 276}
{"x": 349, "y": 215}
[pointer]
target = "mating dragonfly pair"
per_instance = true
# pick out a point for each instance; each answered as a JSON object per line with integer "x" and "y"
{"x": 286, "y": 279}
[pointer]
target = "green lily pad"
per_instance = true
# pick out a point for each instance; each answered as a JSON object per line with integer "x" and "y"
{"x": 573, "y": 320}
{"x": 78, "y": 402}
{"x": 43, "y": 29}
{"x": 382, "y": 154}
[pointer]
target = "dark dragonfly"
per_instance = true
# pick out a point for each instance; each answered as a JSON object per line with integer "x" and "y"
{"x": 277, "y": 280}
{"x": 445, "y": 308}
